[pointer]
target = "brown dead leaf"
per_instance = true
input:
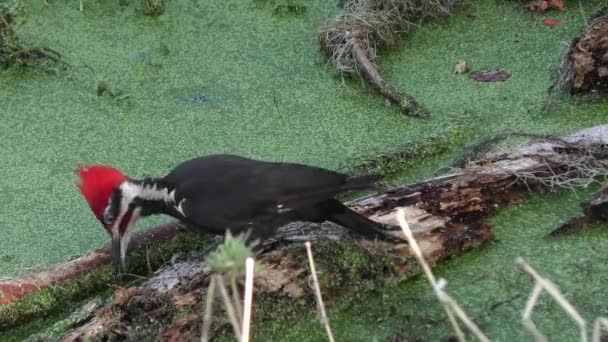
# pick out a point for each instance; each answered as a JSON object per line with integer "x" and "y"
{"x": 497, "y": 75}
{"x": 543, "y": 5}
{"x": 184, "y": 329}
{"x": 559, "y": 4}
{"x": 188, "y": 300}
{"x": 551, "y": 22}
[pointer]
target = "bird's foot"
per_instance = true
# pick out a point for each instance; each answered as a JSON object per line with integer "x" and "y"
{"x": 393, "y": 238}
{"x": 178, "y": 255}
{"x": 389, "y": 227}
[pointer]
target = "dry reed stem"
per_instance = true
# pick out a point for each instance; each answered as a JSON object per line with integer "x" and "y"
{"x": 448, "y": 303}
{"x": 313, "y": 271}
{"x": 232, "y": 317}
{"x": 248, "y": 298}
{"x": 236, "y": 298}
{"x": 599, "y": 323}
{"x": 544, "y": 284}
{"x": 208, "y": 310}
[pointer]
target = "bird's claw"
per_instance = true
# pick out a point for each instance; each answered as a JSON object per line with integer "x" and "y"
{"x": 390, "y": 227}
{"x": 392, "y": 238}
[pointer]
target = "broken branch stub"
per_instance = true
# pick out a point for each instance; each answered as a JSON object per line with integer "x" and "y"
{"x": 584, "y": 66}
{"x": 350, "y": 42}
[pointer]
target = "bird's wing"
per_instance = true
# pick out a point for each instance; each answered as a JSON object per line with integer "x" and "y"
{"x": 236, "y": 190}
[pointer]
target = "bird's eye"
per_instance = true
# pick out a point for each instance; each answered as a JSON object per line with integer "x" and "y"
{"x": 108, "y": 218}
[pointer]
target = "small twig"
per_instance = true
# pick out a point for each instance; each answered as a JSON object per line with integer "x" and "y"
{"x": 313, "y": 271}
{"x": 583, "y": 15}
{"x": 599, "y": 323}
{"x": 552, "y": 289}
{"x": 526, "y": 317}
{"x": 236, "y": 298}
{"x": 148, "y": 264}
{"x": 275, "y": 99}
{"x": 208, "y": 310}
{"x": 229, "y": 307}
{"x": 248, "y": 298}
{"x": 506, "y": 301}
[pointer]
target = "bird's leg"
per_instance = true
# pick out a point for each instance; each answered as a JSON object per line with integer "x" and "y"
{"x": 389, "y": 227}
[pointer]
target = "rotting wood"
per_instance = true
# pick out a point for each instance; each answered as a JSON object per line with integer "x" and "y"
{"x": 584, "y": 66}
{"x": 445, "y": 215}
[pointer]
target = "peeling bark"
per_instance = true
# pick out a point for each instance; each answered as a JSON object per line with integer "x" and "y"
{"x": 445, "y": 215}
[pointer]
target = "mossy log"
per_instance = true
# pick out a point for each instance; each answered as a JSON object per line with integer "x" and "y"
{"x": 445, "y": 215}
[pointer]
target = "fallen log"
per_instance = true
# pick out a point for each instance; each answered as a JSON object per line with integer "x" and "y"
{"x": 445, "y": 215}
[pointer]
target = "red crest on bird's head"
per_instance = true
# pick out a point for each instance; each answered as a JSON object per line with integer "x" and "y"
{"x": 96, "y": 185}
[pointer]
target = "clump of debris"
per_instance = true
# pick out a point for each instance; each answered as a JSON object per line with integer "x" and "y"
{"x": 584, "y": 68}
{"x": 13, "y": 52}
{"x": 352, "y": 40}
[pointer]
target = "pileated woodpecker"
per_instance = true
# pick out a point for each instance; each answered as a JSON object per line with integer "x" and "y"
{"x": 219, "y": 192}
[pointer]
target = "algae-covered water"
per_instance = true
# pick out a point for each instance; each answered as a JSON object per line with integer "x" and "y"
{"x": 263, "y": 90}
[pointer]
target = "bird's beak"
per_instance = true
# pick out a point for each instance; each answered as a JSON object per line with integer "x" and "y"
{"x": 121, "y": 235}
{"x": 118, "y": 258}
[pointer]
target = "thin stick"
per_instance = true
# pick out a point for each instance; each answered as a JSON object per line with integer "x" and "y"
{"x": 229, "y": 307}
{"x": 552, "y": 289}
{"x": 236, "y": 298}
{"x": 248, "y": 298}
{"x": 148, "y": 264}
{"x": 444, "y": 297}
{"x": 526, "y": 317}
{"x": 208, "y": 310}
{"x": 324, "y": 319}
{"x": 583, "y": 15}
{"x": 427, "y": 270}
{"x": 600, "y": 323}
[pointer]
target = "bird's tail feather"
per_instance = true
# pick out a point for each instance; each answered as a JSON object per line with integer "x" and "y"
{"x": 362, "y": 182}
{"x": 354, "y": 221}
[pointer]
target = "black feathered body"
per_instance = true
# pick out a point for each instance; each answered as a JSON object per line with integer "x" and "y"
{"x": 219, "y": 192}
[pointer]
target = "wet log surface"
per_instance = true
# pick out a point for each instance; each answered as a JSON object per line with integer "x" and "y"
{"x": 445, "y": 215}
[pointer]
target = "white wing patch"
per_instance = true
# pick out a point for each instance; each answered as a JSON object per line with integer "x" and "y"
{"x": 180, "y": 207}
{"x": 281, "y": 209}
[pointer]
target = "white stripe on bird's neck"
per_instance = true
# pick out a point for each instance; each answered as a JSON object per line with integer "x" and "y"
{"x": 146, "y": 192}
